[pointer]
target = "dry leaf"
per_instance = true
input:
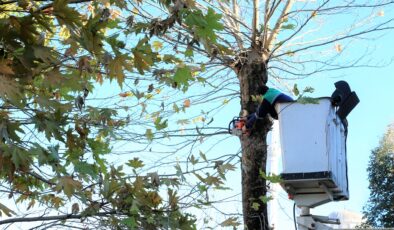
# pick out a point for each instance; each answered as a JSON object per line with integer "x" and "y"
{"x": 338, "y": 47}
{"x": 126, "y": 94}
{"x": 314, "y": 13}
{"x": 186, "y": 103}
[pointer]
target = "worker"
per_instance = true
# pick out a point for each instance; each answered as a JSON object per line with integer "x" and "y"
{"x": 270, "y": 97}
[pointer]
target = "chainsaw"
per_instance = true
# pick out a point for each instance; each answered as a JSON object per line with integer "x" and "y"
{"x": 235, "y": 126}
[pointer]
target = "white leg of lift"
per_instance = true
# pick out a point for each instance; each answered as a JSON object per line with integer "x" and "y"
{"x": 306, "y": 221}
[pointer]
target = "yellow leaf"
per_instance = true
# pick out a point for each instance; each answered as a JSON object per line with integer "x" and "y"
{"x": 186, "y": 103}
{"x": 158, "y": 91}
{"x": 135, "y": 11}
{"x": 148, "y": 96}
{"x": 338, "y": 47}
{"x": 115, "y": 14}
{"x": 157, "y": 45}
{"x": 64, "y": 32}
{"x": 198, "y": 119}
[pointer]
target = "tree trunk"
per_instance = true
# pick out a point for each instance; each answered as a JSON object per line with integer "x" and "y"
{"x": 252, "y": 73}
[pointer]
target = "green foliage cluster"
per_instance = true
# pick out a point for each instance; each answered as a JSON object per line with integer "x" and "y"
{"x": 53, "y": 146}
{"x": 379, "y": 210}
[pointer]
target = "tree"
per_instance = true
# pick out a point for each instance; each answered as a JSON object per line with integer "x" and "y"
{"x": 379, "y": 210}
{"x": 61, "y": 128}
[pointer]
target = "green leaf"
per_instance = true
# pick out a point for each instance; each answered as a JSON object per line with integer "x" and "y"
{"x": 295, "y": 90}
{"x": 227, "y": 167}
{"x": 175, "y": 108}
{"x": 179, "y": 172}
{"x": 266, "y": 199}
{"x": 199, "y": 177}
{"x": 193, "y": 160}
{"x": 173, "y": 199}
{"x": 85, "y": 168}
{"x": 255, "y": 206}
{"x": 308, "y": 100}
{"x": 66, "y": 15}
{"x": 45, "y": 54}
{"x": 273, "y": 178}
{"x": 205, "y": 25}
{"x": 6, "y": 210}
{"x": 288, "y": 27}
{"x": 183, "y": 75}
{"x": 309, "y": 89}
{"x": 183, "y": 122}
{"x": 232, "y": 221}
{"x": 113, "y": 24}
{"x": 143, "y": 56}
{"x": 159, "y": 124}
{"x": 135, "y": 163}
{"x": 149, "y": 134}
{"x": 213, "y": 180}
{"x": 189, "y": 52}
{"x": 129, "y": 222}
{"x": 10, "y": 90}
{"x": 202, "y": 155}
{"x": 20, "y": 157}
{"x": 116, "y": 68}
{"x": 99, "y": 147}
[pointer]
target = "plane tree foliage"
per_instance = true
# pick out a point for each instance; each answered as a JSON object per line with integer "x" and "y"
{"x": 379, "y": 210}
{"x": 108, "y": 108}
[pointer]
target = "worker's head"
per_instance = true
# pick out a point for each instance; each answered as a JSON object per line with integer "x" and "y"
{"x": 263, "y": 89}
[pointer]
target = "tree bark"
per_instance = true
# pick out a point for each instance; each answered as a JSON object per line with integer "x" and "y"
{"x": 252, "y": 73}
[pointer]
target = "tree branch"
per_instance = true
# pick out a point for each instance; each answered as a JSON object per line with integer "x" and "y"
{"x": 69, "y": 2}
{"x": 378, "y": 28}
{"x": 255, "y": 21}
{"x": 272, "y": 37}
{"x": 48, "y": 218}
{"x": 297, "y": 31}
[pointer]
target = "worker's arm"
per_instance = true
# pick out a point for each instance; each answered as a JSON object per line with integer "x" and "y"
{"x": 261, "y": 112}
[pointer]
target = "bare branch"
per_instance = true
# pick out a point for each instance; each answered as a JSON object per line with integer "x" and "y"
{"x": 255, "y": 22}
{"x": 375, "y": 29}
{"x": 48, "y": 218}
{"x": 272, "y": 37}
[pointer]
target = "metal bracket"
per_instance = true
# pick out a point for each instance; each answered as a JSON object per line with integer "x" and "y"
{"x": 327, "y": 191}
